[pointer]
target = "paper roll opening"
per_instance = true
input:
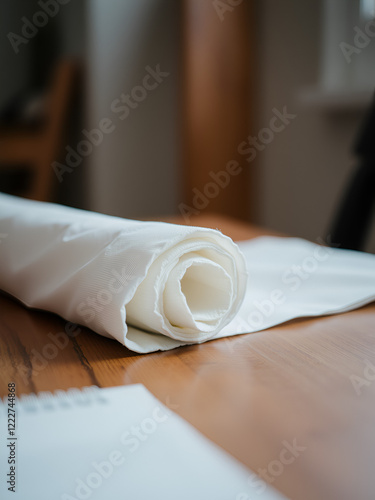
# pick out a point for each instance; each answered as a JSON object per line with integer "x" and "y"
{"x": 197, "y": 294}
{"x": 208, "y": 295}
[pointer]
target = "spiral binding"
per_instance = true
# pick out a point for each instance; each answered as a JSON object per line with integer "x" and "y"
{"x": 57, "y": 400}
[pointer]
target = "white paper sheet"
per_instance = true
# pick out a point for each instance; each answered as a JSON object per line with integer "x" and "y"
{"x": 290, "y": 278}
{"x": 156, "y": 286}
{"x": 116, "y": 443}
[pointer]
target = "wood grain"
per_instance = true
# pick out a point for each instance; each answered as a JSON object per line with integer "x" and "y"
{"x": 251, "y": 394}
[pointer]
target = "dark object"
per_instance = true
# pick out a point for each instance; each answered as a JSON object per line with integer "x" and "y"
{"x": 352, "y": 222}
{"x": 36, "y": 148}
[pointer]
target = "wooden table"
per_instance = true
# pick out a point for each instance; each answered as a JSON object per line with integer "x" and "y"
{"x": 255, "y": 395}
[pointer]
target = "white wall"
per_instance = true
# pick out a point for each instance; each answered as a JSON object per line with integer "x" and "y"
{"x": 134, "y": 172}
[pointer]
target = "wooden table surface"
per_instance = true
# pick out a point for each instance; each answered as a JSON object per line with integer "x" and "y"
{"x": 309, "y": 383}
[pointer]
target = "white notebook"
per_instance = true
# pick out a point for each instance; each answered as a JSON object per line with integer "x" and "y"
{"x": 114, "y": 443}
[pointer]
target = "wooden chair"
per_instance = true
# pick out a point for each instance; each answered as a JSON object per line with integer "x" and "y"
{"x": 37, "y": 148}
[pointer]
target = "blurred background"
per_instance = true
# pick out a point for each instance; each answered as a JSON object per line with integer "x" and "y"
{"x": 151, "y": 108}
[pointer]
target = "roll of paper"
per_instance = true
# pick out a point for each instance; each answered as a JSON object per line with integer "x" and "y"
{"x": 186, "y": 283}
{"x": 156, "y": 286}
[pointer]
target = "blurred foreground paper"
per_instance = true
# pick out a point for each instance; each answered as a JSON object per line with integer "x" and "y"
{"x": 156, "y": 286}
{"x": 116, "y": 443}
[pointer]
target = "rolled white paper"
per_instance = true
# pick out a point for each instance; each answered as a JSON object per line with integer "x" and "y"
{"x": 156, "y": 286}
{"x": 186, "y": 283}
